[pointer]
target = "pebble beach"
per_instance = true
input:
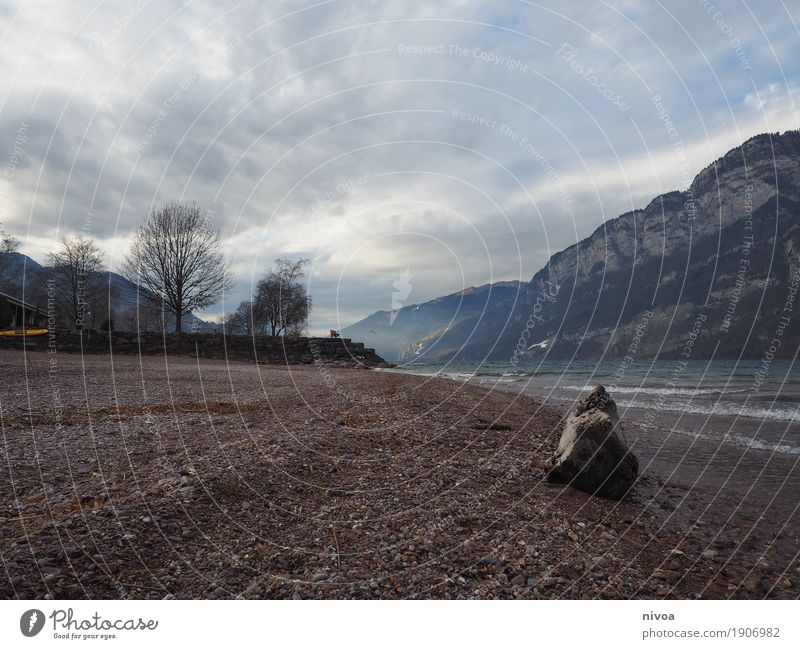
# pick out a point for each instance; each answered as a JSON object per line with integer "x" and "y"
{"x": 172, "y": 477}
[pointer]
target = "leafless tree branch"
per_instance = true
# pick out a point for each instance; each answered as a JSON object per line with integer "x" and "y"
{"x": 176, "y": 260}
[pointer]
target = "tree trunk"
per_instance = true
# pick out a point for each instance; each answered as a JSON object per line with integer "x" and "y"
{"x": 178, "y": 322}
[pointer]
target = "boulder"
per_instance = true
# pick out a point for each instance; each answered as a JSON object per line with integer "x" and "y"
{"x": 592, "y": 454}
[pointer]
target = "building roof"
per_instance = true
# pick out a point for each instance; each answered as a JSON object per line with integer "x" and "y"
{"x": 17, "y": 302}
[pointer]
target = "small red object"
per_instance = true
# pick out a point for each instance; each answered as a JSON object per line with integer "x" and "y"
{"x": 334, "y": 333}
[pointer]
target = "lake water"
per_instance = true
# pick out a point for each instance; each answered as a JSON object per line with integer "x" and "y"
{"x": 733, "y": 403}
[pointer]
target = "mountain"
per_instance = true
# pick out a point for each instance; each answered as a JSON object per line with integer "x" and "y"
{"x": 710, "y": 271}
{"x": 20, "y": 280}
{"x": 415, "y": 332}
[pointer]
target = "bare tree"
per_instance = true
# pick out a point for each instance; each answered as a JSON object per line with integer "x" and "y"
{"x": 230, "y": 324}
{"x": 242, "y": 320}
{"x": 107, "y": 303}
{"x": 281, "y": 301}
{"x": 151, "y": 315}
{"x": 75, "y": 272}
{"x": 8, "y": 244}
{"x": 145, "y": 317}
{"x": 177, "y": 259}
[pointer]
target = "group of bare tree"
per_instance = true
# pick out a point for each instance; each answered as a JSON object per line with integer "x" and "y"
{"x": 176, "y": 266}
{"x": 279, "y": 306}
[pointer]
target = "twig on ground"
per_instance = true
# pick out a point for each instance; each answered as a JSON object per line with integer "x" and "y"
{"x": 338, "y": 553}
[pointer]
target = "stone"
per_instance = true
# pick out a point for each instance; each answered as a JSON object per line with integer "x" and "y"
{"x": 592, "y": 453}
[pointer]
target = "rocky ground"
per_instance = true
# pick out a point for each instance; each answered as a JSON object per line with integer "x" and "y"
{"x": 167, "y": 477}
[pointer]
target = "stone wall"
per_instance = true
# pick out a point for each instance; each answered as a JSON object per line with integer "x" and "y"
{"x": 262, "y": 349}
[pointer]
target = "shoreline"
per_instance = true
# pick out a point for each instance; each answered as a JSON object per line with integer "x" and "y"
{"x": 745, "y": 489}
{"x": 184, "y": 478}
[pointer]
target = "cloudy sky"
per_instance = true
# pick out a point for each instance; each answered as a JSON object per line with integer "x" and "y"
{"x": 463, "y": 141}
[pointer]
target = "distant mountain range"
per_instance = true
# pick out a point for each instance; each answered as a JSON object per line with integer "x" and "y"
{"x": 710, "y": 271}
{"x": 21, "y": 280}
{"x": 417, "y": 329}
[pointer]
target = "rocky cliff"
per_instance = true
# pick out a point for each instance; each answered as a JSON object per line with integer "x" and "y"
{"x": 710, "y": 271}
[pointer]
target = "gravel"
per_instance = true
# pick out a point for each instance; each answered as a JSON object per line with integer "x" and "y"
{"x": 169, "y": 478}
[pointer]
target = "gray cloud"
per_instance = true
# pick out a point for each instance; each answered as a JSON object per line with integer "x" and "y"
{"x": 337, "y": 131}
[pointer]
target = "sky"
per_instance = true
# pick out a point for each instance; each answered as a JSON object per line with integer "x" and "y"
{"x": 451, "y": 144}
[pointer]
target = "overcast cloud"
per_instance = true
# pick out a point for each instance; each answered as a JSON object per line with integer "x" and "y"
{"x": 463, "y": 141}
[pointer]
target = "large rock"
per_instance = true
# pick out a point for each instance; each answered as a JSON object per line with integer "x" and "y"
{"x": 592, "y": 454}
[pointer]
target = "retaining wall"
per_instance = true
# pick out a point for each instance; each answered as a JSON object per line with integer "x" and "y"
{"x": 261, "y": 349}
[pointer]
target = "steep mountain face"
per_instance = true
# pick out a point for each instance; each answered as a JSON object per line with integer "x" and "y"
{"x": 22, "y": 279}
{"x": 704, "y": 272}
